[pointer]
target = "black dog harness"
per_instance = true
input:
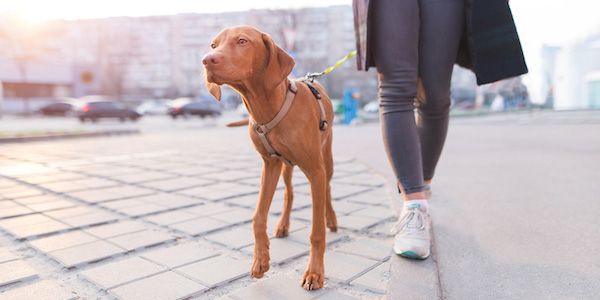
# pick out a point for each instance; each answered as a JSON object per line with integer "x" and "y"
{"x": 262, "y": 130}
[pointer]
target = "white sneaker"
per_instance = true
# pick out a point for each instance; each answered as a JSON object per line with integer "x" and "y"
{"x": 412, "y": 233}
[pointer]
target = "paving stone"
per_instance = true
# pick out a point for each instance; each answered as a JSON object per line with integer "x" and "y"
{"x": 282, "y": 250}
{"x": 340, "y": 191}
{"x": 70, "y": 212}
{"x": 113, "y": 193}
{"x": 20, "y": 192}
{"x": 200, "y": 226}
{"x": 209, "y": 209}
{"x": 98, "y": 217}
{"x": 235, "y": 216}
{"x": 86, "y": 253}
{"x": 170, "y": 200}
{"x": 122, "y": 272}
{"x": 168, "y": 285}
{"x": 375, "y": 280}
{"x": 369, "y": 248}
{"x": 357, "y": 223}
{"x": 24, "y": 220}
{"x": 53, "y": 205}
{"x": 142, "y": 177}
{"x": 115, "y": 229}
{"x": 302, "y": 236}
{"x": 170, "y": 217}
{"x": 121, "y": 204}
{"x": 41, "y": 290}
{"x": 62, "y": 241}
{"x": 342, "y": 267}
{"x": 39, "y": 199}
{"x": 235, "y": 238}
{"x": 208, "y": 194}
{"x": 377, "y": 196}
{"x": 6, "y": 255}
{"x": 15, "y": 210}
{"x": 229, "y": 269}
{"x": 52, "y": 177}
{"x": 343, "y": 207}
{"x": 141, "y": 210}
{"x": 376, "y": 212}
{"x": 38, "y": 229}
{"x": 278, "y": 287}
{"x": 78, "y": 185}
{"x": 178, "y": 183}
{"x": 15, "y": 271}
{"x": 179, "y": 255}
{"x": 364, "y": 179}
{"x": 141, "y": 239}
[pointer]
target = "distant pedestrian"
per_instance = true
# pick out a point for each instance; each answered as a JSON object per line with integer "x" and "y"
{"x": 414, "y": 45}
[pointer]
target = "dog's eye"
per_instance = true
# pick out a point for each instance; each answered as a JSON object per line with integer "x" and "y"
{"x": 242, "y": 41}
{"x": 213, "y": 45}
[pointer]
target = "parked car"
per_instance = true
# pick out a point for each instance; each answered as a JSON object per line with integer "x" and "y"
{"x": 58, "y": 109}
{"x": 95, "y": 110}
{"x": 372, "y": 107}
{"x": 152, "y": 108}
{"x": 202, "y": 109}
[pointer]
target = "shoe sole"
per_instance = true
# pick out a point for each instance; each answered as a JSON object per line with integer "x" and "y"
{"x": 412, "y": 255}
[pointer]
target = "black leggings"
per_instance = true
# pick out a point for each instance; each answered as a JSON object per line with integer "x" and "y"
{"x": 414, "y": 44}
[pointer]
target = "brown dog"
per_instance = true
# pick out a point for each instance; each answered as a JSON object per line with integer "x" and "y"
{"x": 250, "y": 62}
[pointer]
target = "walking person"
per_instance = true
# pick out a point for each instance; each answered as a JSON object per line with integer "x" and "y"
{"x": 414, "y": 45}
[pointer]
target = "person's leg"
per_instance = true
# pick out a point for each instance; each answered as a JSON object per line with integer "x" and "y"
{"x": 442, "y": 24}
{"x": 395, "y": 46}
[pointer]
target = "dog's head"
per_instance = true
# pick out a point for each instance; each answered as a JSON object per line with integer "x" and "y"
{"x": 243, "y": 55}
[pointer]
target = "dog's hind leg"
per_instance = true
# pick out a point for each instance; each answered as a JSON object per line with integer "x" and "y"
{"x": 268, "y": 184}
{"x": 283, "y": 227}
{"x": 328, "y": 159}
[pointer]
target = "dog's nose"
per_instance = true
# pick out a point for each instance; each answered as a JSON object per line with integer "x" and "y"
{"x": 211, "y": 58}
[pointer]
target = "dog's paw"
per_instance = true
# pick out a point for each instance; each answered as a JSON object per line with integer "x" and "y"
{"x": 332, "y": 224}
{"x": 312, "y": 281}
{"x": 259, "y": 267}
{"x": 281, "y": 231}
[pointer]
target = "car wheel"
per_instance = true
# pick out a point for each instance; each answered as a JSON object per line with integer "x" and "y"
{"x": 82, "y": 120}
{"x": 186, "y": 115}
{"x": 94, "y": 119}
{"x": 122, "y": 120}
{"x": 134, "y": 119}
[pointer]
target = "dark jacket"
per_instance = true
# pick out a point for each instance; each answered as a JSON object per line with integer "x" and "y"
{"x": 490, "y": 46}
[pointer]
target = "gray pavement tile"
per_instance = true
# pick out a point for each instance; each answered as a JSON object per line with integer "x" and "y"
{"x": 200, "y": 226}
{"x": 20, "y": 191}
{"x": 357, "y": 223}
{"x": 70, "y": 212}
{"x": 363, "y": 179}
{"x": 170, "y": 200}
{"x": 377, "y": 196}
{"x": 282, "y": 250}
{"x": 110, "y": 170}
{"x": 51, "y": 205}
{"x": 178, "y": 183}
{"x": 121, "y": 272}
{"x": 146, "y": 176}
{"x": 236, "y": 238}
{"x": 14, "y": 210}
{"x": 78, "y": 185}
{"x": 343, "y": 207}
{"x": 113, "y": 193}
{"x": 121, "y": 204}
{"x": 61, "y": 241}
{"x": 171, "y": 217}
{"x": 38, "y": 229}
{"x": 41, "y": 290}
{"x": 351, "y": 167}
{"x": 339, "y": 296}
{"x": 303, "y": 236}
{"x": 342, "y": 267}
{"x": 39, "y": 199}
{"x": 95, "y": 218}
{"x": 229, "y": 269}
{"x": 376, "y": 249}
{"x": 115, "y": 229}
{"x": 52, "y": 177}
{"x": 168, "y": 285}
{"x": 209, "y": 209}
{"x": 179, "y": 255}
{"x": 86, "y": 253}
{"x": 141, "y": 239}
{"x": 276, "y": 288}
{"x": 15, "y": 271}
{"x": 248, "y": 201}
{"x": 142, "y": 210}
{"x": 380, "y": 212}
{"x": 6, "y": 255}
{"x": 375, "y": 280}
{"x": 235, "y": 216}
{"x": 341, "y": 191}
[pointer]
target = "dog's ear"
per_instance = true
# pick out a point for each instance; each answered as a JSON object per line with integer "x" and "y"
{"x": 279, "y": 66}
{"x": 214, "y": 89}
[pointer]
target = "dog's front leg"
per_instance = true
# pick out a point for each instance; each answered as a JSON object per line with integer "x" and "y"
{"x": 268, "y": 184}
{"x": 314, "y": 276}
{"x": 283, "y": 226}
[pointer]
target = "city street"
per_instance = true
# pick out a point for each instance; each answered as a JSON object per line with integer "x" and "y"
{"x": 166, "y": 213}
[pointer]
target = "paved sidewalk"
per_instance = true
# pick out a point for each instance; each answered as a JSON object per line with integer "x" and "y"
{"x": 168, "y": 215}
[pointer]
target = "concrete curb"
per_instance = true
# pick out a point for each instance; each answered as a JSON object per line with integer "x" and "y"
{"x": 24, "y": 139}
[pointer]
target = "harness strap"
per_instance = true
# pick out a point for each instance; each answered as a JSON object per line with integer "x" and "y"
{"x": 262, "y": 130}
{"x": 323, "y": 123}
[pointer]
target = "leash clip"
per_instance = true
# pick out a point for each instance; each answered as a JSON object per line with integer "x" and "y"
{"x": 312, "y": 76}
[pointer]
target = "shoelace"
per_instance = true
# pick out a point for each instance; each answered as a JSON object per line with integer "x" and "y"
{"x": 402, "y": 224}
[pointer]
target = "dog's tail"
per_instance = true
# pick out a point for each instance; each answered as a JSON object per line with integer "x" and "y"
{"x": 243, "y": 122}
